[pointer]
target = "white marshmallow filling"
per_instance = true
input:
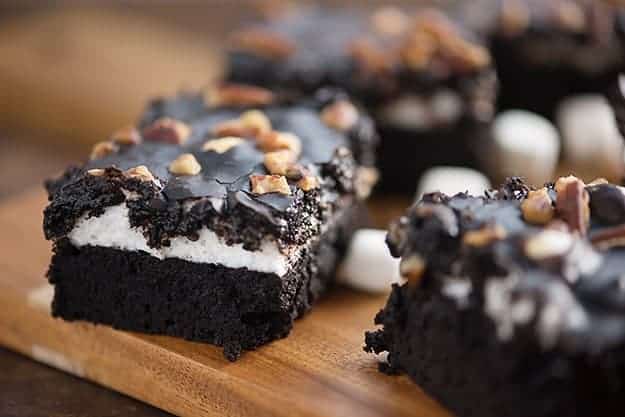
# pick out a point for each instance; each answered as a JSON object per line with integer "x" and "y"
{"x": 112, "y": 229}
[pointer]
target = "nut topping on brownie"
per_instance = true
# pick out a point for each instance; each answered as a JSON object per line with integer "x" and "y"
{"x": 512, "y": 292}
{"x": 223, "y": 225}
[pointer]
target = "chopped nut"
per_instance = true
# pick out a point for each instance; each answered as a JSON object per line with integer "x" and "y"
{"x": 96, "y": 172}
{"x": 537, "y": 208}
{"x": 102, "y": 149}
{"x": 572, "y": 203}
{"x": 264, "y": 184}
{"x": 233, "y": 128}
{"x": 571, "y": 16}
{"x": 275, "y": 140}
{"x": 222, "y": 145}
{"x": 484, "y": 236}
{"x": 185, "y": 164}
{"x": 609, "y": 238}
{"x": 308, "y": 182}
{"x": 128, "y": 135}
{"x": 418, "y": 51}
{"x": 239, "y": 95}
{"x": 466, "y": 54}
{"x": 141, "y": 172}
{"x": 340, "y": 115}
{"x": 412, "y": 268}
{"x": 548, "y": 244}
{"x": 366, "y": 178}
{"x": 264, "y": 43}
{"x": 598, "y": 181}
{"x": 371, "y": 58}
{"x": 278, "y": 162}
{"x": 256, "y": 120}
{"x": 389, "y": 21}
{"x": 514, "y": 17}
{"x": 167, "y": 130}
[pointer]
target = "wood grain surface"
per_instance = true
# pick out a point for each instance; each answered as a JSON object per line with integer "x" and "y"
{"x": 319, "y": 370}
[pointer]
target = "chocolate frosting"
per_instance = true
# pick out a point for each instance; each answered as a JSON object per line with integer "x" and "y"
{"x": 223, "y": 185}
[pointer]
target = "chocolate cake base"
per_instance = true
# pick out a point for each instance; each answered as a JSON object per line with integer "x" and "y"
{"x": 237, "y": 309}
{"x": 405, "y": 154}
{"x": 455, "y": 356}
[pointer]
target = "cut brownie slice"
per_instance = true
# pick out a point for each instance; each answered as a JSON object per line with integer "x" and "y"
{"x": 546, "y": 50}
{"x": 514, "y": 303}
{"x": 219, "y": 223}
{"x": 427, "y": 80}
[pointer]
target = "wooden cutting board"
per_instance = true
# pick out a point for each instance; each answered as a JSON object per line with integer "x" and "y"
{"x": 319, "y": 370}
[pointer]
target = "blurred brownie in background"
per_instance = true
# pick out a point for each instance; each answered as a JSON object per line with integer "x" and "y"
{"x": 546, "y": 50}
{"x": 429, "y": 83}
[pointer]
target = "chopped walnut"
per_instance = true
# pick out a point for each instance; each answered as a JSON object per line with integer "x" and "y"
{"x": 370, "y": 57}
{"x": 390, "y": 21}
{"x": 167, "y": 130}
{"x": 264, "y": 43}
{"x": 185, "y": 164}
{"x": 96, "y": 172}
{"x": 222, "y": 145}
{"x": 538, "y": 208}
{"x": 573, "y": 203}
{"x": 256, "y": 120}
{"x": 141, "y": 172}
{"x": 571, "y": 16}
{"x": 340, "y": 115}
{"x": 128, "y": 135}
{"x": 264, "y": 184}
{"x": 275, "y": 140}
{"x": 484, "y": 236}
{"x": 412, "y": 268}
{"x": 240, "y": 95}
{"x": 419, "y": 49}
{"x": 598, "y": 181}
{"x": 278, "y": 162}
{"x": 102, "y": 149}
{"x": 514, "y": 17}
{"x": 308, "y": 182}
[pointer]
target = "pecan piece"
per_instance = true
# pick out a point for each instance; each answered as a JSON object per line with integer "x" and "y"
{"x": 167, "y": 130}
{"x": 141, "y": 172}
{"x": 572, "y": 203}
{"x": 102, "y": 149}
{"x": 264, "y": 184}
{"x": 222, "y": 145}
{"x": 185, "y": 164}
{"x": 278, "y": 162}
{"x": 484, "y": 236}
{"x": 537, "y": 208}
{"x": 308, "y": 182}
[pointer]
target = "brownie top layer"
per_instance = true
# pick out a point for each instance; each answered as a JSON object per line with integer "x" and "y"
{"x": 587, "y": 34}
{"x": 548, "y": 263}
{"x": 376, "y": 55}
{"x": 247, "y": 165}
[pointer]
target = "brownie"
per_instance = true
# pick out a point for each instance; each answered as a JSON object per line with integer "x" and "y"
{"x": 514, "y": 302}
{"x": 219, "y": 219}
{"x": 546, "y": 50}
{"x": 427, "y": 80}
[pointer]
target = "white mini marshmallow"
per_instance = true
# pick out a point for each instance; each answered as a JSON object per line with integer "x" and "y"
{"x": 591, "y": 140}
{"x": 525, "y": 144}
{"x": 369, "y": 265}
{"x": 452, "y": 180}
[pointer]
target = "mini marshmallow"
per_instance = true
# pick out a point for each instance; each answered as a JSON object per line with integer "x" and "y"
{"x": 369, "y": 266}
{"x": 591, "y": 140}
{"x": 452, "y": 180}
{"x": 525, "y": 144}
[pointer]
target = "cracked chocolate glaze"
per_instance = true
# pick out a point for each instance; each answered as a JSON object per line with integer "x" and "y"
{"x": 219, "y": 197}
{"x": 323, "y": 43}
{"x": 564, "y": 288}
